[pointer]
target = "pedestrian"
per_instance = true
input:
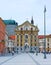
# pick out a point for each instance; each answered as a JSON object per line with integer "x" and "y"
{"x": 12, "y": 52}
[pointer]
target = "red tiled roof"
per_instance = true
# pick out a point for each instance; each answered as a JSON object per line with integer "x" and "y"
{"x": 12, "y": 37}
{"x": 41, "y": 36}
{"x": 48, "y": 36}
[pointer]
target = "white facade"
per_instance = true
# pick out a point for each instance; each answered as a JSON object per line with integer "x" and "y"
{"x": 48, "y": 43}
{"x": 26, "y": 26}
{"x": 11, "y": 43}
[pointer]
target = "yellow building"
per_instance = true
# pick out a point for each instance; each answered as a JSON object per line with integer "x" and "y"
{"x": 48, "y": 43}
{"x": 26, "y": 36}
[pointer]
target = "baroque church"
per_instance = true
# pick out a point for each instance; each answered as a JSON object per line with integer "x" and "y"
{"x": 27, "y": 36}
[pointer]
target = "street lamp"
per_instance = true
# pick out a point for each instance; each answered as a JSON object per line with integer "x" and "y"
{"x": 44, "y": 32}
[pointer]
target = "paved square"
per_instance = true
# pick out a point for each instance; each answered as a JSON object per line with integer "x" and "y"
{"x": 26, "y": 59}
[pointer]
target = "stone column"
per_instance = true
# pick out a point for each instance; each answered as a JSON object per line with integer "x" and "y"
{"x": 19, "y": 40}
{"x": 23, "y": 40}
{"x": 15, "y": 44}
{"x": 29, "y": 40}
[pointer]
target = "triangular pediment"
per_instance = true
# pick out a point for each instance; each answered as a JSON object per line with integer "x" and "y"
{"x": 27, "y": 26}
{"x": 26, "y": 23}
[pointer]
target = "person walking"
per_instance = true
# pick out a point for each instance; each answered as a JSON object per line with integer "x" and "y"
{"x": 12, "y": 52}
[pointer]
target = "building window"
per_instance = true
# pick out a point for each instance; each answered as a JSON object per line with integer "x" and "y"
{"x": 35, "y": 36}
{"x": 35, "y": 40}
{"x": 48, "y": 49}
{"x": 21, "y": 40}
{"x": 26, "y": 36}
{"x": 17, "y": 44}
{"x": 21, "y": 36}
{"x": 21, "y": 44}
{"x": 26, "y": 27}
{"x": 21, "y": 28}
{"x": 31, "y": 28}
{"x": 48, "y": 44}
{"x": 31, "y": 44}
{"x": 48, "y": 39}
{"x": 35, "y": 44}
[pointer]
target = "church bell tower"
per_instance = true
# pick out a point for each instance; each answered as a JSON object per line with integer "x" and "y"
{"x": 32, "y": 21}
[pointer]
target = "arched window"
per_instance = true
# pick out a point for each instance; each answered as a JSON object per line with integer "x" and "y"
{"x": 21, "y": 28}
{"x": 21, "y": 44}
{"x": 26, "y": 27}
{"x": 26, "y": 38}
{"x": 31, "y": 28}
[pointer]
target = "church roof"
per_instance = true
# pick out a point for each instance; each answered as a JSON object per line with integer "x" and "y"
{"x": 10, "y": 22}
{"x": 25, "y": 23}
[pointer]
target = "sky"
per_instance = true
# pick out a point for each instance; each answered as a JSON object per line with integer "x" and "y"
{"x": 22, "y": 10}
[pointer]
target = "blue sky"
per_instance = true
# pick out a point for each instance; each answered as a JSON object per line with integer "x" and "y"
{"x": 22, "y": 10}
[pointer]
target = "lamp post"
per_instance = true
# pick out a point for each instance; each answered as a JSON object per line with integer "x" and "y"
{"x": 44, "y": 32}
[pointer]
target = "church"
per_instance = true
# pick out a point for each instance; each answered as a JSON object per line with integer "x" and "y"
{"x": 27, "y": 36}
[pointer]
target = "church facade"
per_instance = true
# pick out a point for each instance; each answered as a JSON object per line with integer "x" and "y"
{"x": 27, "y": 36}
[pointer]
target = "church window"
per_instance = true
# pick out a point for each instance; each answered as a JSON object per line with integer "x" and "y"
{"x": 21, "y": 28}
{"x": 31, "y": 28}
{"x": 26, "y": 27}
